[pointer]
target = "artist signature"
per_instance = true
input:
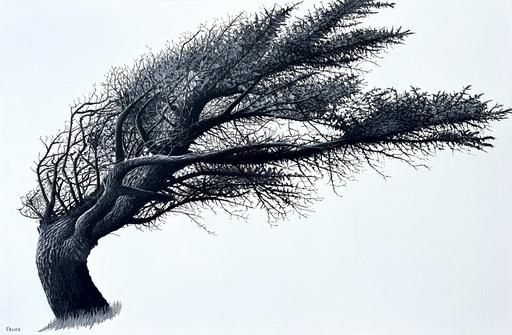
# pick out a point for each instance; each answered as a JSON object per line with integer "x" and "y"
{"x": 15, "y": 329}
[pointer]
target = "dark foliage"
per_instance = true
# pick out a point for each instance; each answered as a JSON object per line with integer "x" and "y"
{"x": 248, "y": 112}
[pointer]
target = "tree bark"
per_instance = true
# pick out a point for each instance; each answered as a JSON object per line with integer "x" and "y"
{"x": 61, "y": 260}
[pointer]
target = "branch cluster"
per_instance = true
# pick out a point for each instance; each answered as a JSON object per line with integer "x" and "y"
{"x": 247, "y": 112}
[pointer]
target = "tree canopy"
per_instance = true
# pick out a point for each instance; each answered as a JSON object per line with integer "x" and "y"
{"x": 249, "y": 111}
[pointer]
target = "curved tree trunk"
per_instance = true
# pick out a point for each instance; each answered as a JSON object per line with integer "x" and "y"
{"x": 62, "y": 266}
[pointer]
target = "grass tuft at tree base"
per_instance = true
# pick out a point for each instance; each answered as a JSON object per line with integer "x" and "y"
{"x": 86, "y": 319}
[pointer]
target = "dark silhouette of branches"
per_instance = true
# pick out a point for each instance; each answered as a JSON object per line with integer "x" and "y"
{"x": 248, "y": 112}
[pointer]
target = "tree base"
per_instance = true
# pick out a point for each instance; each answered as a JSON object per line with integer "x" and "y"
{"x": 86, "y": 319}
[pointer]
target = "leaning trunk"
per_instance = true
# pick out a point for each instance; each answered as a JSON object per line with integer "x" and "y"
{"x": 62, "y": 266}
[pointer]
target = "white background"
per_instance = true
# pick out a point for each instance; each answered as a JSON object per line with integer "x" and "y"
{"x": 424, "y": 252}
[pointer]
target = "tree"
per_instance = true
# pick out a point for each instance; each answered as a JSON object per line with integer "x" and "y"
{"x": 251, "y": 111}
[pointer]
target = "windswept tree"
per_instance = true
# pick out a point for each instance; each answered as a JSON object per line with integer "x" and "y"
{"x": 249, "y": 112}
